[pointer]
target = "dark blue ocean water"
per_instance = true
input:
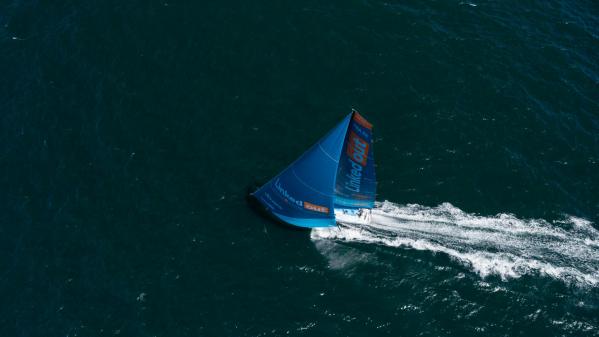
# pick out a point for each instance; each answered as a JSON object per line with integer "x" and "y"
{"x": 129, "y": 131}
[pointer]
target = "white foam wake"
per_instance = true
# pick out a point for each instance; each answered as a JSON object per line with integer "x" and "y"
{"x": 500, "y": 245}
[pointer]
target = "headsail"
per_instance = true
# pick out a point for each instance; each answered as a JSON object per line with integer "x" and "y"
{"x": 324, "y": 177}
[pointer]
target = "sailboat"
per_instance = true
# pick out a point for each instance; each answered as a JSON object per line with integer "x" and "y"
{"x": 333, "y": 182}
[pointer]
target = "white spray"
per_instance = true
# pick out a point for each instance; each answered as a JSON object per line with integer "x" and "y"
{"x": 501, "y": 245}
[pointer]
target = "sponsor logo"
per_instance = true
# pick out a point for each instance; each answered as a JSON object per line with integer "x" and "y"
{"x": 361, "y": 120}
{"x": 355, "y": 178}
{"x": 357, "y": 150}
{"x": 316, "y": 208}
{"x": 285, "y": 194}
{"x": 306, "y": 205}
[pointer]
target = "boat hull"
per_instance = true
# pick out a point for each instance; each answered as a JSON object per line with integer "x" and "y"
{"x": 342, "y": 216}
{"x": 360, "y": 216}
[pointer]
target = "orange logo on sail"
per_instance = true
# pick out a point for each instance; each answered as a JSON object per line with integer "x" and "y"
{"x": 357, "y": 149}
{"x": 361, "y": 120}
{"x": 316, "y": 208}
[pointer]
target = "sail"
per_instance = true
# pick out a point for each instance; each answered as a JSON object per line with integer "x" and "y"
{"x": 336, "y": 172}
{"x": 355, "y": 185}
{"x": 302, "y": 194}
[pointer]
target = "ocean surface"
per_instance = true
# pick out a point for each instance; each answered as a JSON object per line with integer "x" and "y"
{"x": 131, "y": 130}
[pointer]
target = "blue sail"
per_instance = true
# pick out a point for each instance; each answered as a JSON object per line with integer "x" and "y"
{"x": 355, "y": 186}
{"x": 306, "y": 193}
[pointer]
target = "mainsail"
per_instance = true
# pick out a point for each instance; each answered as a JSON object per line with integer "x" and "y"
{"x": 336, "y": 172}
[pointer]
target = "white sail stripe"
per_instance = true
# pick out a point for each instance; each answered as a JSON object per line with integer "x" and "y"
{"x": 328, "y": 155}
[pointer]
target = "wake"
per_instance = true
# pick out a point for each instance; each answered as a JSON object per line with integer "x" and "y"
{"x": 501, "y": 245}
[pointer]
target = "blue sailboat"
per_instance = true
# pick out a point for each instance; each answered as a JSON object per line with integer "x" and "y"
{"x": 335, "y": 177}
